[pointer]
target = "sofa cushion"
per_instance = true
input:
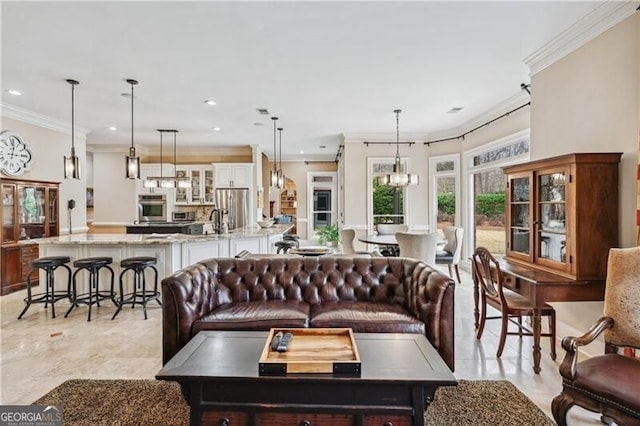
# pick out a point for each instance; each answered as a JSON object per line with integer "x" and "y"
{"x": 365, "y": 317}
{"x": 262, "y": 315}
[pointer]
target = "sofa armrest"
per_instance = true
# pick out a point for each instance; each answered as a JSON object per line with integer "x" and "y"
{"x": 187, "y": 295}
{"x": 571, "y": 344}
{"x": 433, "y": 301}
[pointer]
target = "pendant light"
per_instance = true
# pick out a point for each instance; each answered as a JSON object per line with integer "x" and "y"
{"x": 180, "y": 182}
{"x": 273, "y": 175}
{"x": 397, "y": 178}
{"x": 132, "y": 170}
{"x": 280, "y": 172}
{"x": 71, "y": 164}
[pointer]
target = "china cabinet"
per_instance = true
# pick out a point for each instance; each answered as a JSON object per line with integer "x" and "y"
{"x": 201, "y": 190}
{"x": 562, "y": 214}
{"x": 29, "y": 210}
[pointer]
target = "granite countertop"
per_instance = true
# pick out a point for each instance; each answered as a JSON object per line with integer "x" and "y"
{"x": 246, "y": 232}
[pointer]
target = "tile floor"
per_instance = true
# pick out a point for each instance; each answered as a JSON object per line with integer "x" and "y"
{"x": 38, "y": 352}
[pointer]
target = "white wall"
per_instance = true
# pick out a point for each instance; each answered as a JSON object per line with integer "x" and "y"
{"x": 114, "y": 195}
{"x": 49, "y": 147}
{"x": 590, "y": 101}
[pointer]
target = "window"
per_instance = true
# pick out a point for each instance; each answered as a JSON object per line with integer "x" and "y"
{"x": 321, "y": 187}
{"x": 445, "y": 191}
{"x": 386, "y": 204}
{"x": 486, "y": 190}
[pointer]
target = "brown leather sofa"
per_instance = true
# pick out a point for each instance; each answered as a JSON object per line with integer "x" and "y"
{"x": 367, "y": 294}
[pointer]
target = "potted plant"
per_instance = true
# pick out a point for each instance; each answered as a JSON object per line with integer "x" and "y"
{"x": 329, "y": 234}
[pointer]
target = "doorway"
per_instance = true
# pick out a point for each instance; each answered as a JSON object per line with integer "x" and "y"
{"x": 322, "y": 208}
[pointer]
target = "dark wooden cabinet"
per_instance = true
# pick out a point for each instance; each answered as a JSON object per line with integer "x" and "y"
{"x": 29, "y": 210}
{"x": 562, "y": 214}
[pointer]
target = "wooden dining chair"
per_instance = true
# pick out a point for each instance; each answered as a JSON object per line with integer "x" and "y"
{"x": 512, "y": 306}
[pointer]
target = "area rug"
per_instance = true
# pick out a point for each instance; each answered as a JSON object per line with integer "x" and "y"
{"x": 154, "y": 402}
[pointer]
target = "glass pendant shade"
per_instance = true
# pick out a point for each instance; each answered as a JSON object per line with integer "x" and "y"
{"x": 273, "y": 178}
{"x": 132, "y": 162}
{"x": 397, "y": 178}
{"x": 72, "y": 163}
{"x": 149, "y": 183}
{"x": 72, "y": 166}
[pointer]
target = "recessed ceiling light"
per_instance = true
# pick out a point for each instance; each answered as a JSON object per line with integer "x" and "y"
{"x": 126, "y": 95}
{"x": 322, "y": 146}
{"x": 216, "y": 129}
{"x": 14, "y": 92}
{"x": 258, "y": 124}
{"x": 454, "y": 110}
{"x": 210, "y": 102}
{"x": 301, "y": 152}
{"x": 262, "y": 111}
{"x": 113, "y": 128}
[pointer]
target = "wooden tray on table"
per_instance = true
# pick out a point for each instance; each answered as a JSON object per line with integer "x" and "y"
{"x": 312, "y": 350}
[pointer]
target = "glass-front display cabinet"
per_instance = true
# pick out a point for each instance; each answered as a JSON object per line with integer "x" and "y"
{"x": 29, "y": 210}
{"x": 562, "y": 213}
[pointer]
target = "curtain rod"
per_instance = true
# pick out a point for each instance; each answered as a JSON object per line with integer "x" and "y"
{"x": 387, "y": 143}
{"x": 506, "y": 114}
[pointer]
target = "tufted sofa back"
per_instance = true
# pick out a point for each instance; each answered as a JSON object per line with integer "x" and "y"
{"x": 197, "y": 290}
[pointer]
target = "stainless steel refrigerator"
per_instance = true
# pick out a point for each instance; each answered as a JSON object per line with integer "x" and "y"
{"x": 236, "y": 202}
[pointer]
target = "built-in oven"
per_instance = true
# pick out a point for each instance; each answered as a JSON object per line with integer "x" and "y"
{"x": 152, "y": 208}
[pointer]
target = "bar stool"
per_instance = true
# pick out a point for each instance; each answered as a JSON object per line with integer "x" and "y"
{"x": 49, "y": 264}
{"x": 140, "y": 294}
{"x": 285, "y": 245}
{"x": 93, "y": 297}
{"x": 292, "y": 237}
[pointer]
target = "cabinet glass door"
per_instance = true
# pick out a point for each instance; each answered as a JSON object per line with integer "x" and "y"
{"x": 208, "y": 186}
{"x": 181, "y": 193}
{"x": 8, "y": 221}
{"x": 31, "y": 214}
{"x": 196, "y": 186}
{"x": 52, "y": 218}
{"x": 551, "y": 213}
{"x": 520, "y": 215}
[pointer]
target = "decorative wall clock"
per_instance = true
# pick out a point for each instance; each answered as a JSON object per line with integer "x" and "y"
{"x": 15, "y": 154}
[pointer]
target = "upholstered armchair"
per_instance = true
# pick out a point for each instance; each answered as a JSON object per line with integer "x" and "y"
{"x": 390, "y": 229}
{"x": 418, "y": 246}
{"x": 452, "y": 251}
{"x": 347, "y": 236}
{"x": 609, "y": 383}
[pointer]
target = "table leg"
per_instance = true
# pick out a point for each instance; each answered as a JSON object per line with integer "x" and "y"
{"x": 537, "y": 327}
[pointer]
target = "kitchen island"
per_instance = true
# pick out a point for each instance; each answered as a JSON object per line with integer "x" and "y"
{"x": 173, "y": 251}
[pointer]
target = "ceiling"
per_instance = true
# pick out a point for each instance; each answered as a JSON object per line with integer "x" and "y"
{"x": 325, "y": 68}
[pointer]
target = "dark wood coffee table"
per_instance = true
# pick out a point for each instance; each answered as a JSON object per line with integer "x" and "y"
{"x": 218, "y": 372}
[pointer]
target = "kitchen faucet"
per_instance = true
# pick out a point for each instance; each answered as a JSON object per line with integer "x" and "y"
{"x": 217, "y": 216}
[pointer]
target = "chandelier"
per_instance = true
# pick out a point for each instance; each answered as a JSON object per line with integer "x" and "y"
{"x": 397, "y": 178}
{"x": 167, "y": 181}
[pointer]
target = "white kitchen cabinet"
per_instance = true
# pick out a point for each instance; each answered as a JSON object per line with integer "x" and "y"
{"x": 233, "y": 175}
{"x": 154, "y": 169}
{"x": 201, "y": 191}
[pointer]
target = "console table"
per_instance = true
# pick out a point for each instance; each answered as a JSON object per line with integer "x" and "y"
{"x": 541, "y": 287}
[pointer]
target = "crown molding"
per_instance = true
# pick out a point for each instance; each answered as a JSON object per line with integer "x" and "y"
{"x": 26, "y": 116}
{"x": 605, "y": 16}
